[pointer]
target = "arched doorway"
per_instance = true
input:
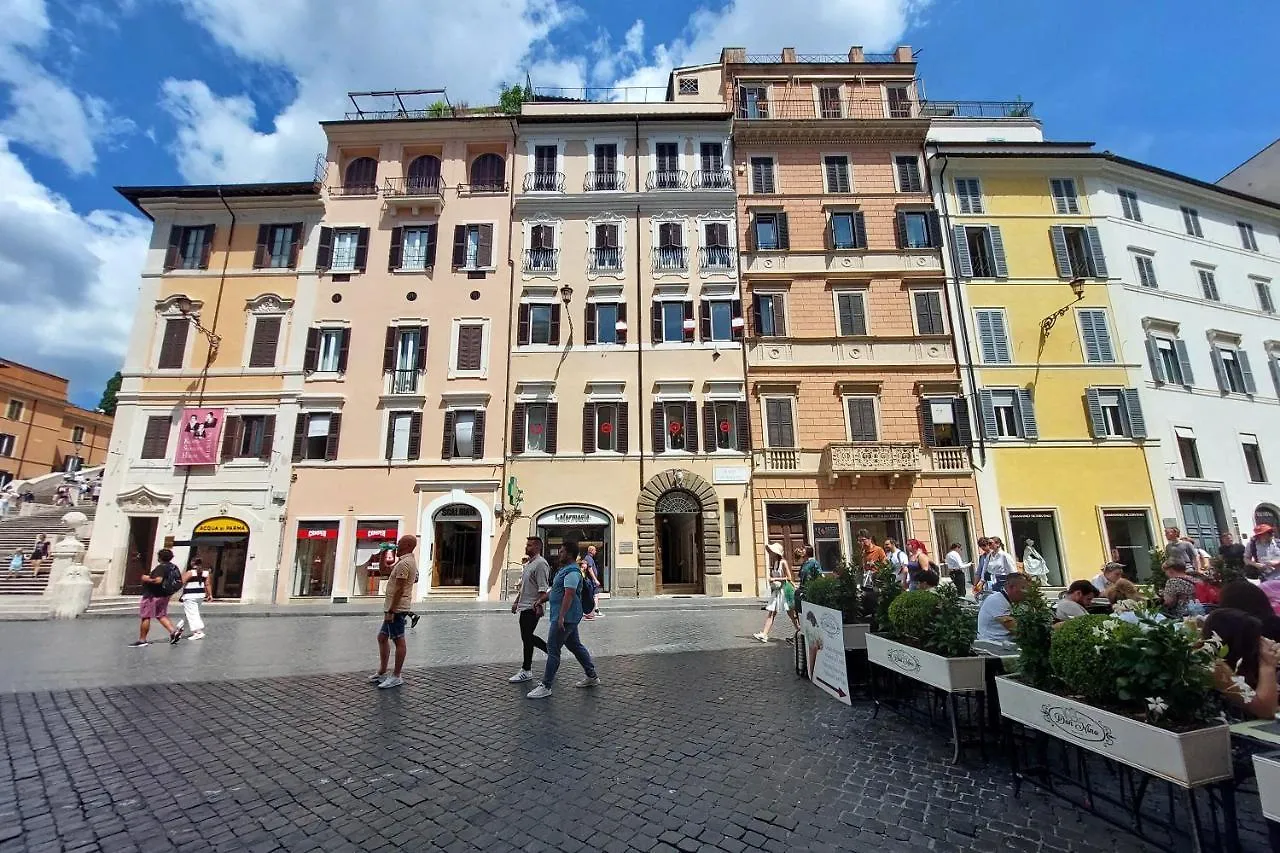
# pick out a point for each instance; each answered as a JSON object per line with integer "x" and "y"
{"x": 586, "y": 525}
{"x": 678, "y": 558}
{"x": 222, "y": 543}
{"x": 678, "y": 521}
{"x": 455, "y": 565}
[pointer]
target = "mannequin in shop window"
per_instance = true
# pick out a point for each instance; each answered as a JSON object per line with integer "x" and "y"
{"x": 1034, "y": 564}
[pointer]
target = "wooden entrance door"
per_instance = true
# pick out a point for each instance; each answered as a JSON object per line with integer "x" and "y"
{"x": 142, "y": 543}
{"x": 1200, "y": 519}
{"x": 787, "y": 524}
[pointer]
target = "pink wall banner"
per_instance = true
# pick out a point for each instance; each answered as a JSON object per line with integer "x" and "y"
{"x": 199, "y": 436}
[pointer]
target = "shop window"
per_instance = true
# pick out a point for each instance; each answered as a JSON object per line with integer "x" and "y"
{"x": 1038, "y": 530}
{"x": 315, "y": 558}
{"x": 732, "y": 546}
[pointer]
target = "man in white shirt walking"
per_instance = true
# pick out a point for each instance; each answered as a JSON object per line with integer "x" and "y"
{"x": 535, "y": 582}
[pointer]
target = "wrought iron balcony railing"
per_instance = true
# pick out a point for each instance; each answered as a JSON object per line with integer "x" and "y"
{"x": 345, "y": 190}
{"x": 541, "y": 260}
{"x": 604, "y": 181}
{"x": 667, "y": 179}
{"x": 404, "y": 381}
{"x": 716, "y": 257}
{"x": 485, "y": 187}
{"x": 713, "y": 179}
{"x": 604, "y": 259}
{"x": 431, "y": 187}
{"x": 670, "y": 259}
{"x": 544, "y": 182}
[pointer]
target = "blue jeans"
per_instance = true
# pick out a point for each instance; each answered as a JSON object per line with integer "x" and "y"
{"x": 568, "y": 638}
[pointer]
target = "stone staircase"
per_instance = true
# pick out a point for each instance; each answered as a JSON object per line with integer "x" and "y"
{"x": 20, "y": 594}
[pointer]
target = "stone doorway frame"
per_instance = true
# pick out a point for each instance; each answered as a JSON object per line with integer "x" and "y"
{"x": 646, "y": 527}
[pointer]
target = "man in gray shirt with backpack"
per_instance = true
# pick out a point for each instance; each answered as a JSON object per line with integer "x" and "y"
{"x": 165, "y": 579}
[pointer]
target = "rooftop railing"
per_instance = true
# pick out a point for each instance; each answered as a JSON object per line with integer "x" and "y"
{"x": 976, "y": 109}
{"x": 601, "y": 94}
{"x": 874, "y": 108}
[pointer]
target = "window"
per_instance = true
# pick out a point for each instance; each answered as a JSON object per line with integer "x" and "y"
{"x": 6, "y": 444}
{"x": 469, "y": 357}
{"x": 981, "y": 251}
{"x": 671, "y": 317}
{"x": 265, "y": 341}
{"x": 969, "y": 195}
{"x": 731, "y": 525}
{"x": 945, "y": 422}
{"x": 327, "y": 350}
{"x": 539, "y": 324}
{"x": 829, "y": 102}
{"x": 667, "y": 175}
{"x": 413, "y": 248}
{"x": 277, "y": 246}
{"x": 602, "y": 323}
{"x": 1096, "y": 336}
{"x": 155, "y": 440}
{"x": 1253, "y": 458}
{"x": 1231, "y": 367}
{"x": 716, "y": 254}
{"x": 540, "y": 256}
{"x": 861, "y": 412}
{"x": 725, "y": 422}
{"x": 769, "y": 315}
{"x": 848, "y": 230}
{"x": 463, "y": 434}
{"x": 173, "y": 346}
{"x": 719, "y": 323}
{"x": 1191, "y": 221}
{"x": 1146, "y": 270}
{"x": 1078, "y": 252}
{"x": 770, "y": 232}
{"x": 607, "y": 430}
{"x": 907, "y": 169}
{"x": 249, "y": 437}
{"x": 605, "y": 254}
{"x": 488, "y": 174}
{"x": 1247, "y": 238}
{"x": 1129, "y": 205}
{"x": 545, "y": 158}
{"x": 918, "y": 229}
{"x": 77, "y": 435}
{"x": 762, "y": 175}
{"x": 346, "y": 242}
{"x": 537, "y": 419}
{"x": 605, "y": 174}
{"x": 316, "y": 436}
{"x": 836, "y": 170}
{"x": 402, "y": 443}
{"x": 929, "y": 312}
{"x": 1169, "y": 360}
{"x": 423, "y": 175}
{"x": 1189, "y": 455}
{"x": 851, "y": 314}
{"x": 670, "y": 254}
{"x": 779, "y": 422}
{"x": 360, "y": 177}
{"x": 189, "y": 247}
{"x": 1265, "y": 303}
{"x": 675, "y": 420}
{"x": 1208, "y": 285}
{"x": 993, "y": 336}
{"x": 1064, "y": 196}
{"x": 1115, "y": 413}
{"x": 714, "y": 176}
{"x": 688, "y": 85}
{"x": 753, "y": 102}
{"x": 899, "y": 97}
{"x": 1008, "y": 413}
{"x": 404, "y": 356}
{"x": 14, "y": 412}
{"x": 473, "y": 247}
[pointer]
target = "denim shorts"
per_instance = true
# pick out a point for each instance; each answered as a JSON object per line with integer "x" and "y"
{"x": 394, "y": 629}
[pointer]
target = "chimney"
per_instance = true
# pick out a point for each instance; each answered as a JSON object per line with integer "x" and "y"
{"x": 856, "y": 54}
{"x": 730, "y": 55}
{"x": 903, "y": 54}
{"x": 788, "y": 54}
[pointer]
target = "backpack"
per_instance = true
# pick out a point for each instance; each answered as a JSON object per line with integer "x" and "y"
{"x": 172, "y": 580}
{"x": 587, "y": 595}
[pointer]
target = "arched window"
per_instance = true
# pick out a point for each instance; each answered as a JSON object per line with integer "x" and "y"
{"x": 424, "y": 173}
{"x": 488, "y": 173}
{"x": 361, "y": 176}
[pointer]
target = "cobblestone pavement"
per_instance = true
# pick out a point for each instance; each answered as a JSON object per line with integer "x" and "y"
{"x": 721, "y": 748}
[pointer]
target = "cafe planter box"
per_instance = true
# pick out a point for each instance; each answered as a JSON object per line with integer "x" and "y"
{"x": 953, "y": 675}
{"x": 1188, "y": 759}
{"x": 1267, "y": 769}
{"x": 855, "y": 636}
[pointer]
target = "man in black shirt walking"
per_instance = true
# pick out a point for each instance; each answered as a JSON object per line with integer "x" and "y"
{"x": 155, "y": 599}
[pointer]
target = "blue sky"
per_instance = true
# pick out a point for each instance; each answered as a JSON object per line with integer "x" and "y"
{"x": 95, "y": 93}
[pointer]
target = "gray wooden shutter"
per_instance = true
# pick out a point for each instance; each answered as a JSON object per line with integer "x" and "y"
{"x": 555, "y": 325}
{"x": 553, "y": 428}
{"x": 588, "y": 427}
{"x": 477, "y": 435}
{"x": 929, "y": 313}
{"x": 853, "y": 318}
{"x": 781, "y": 428}
{"x": 961, "y": 241}
{"x": 522, "y": 324}
{"x": 395, "y": 258}
{"x": 1133, "y": 413}
{"x": 862, "y": 419}
{"x": 779, "y": 315}
{"x": 299, "y": 435}
{"x": 1095, "y": 252}
{"x": 1093, "y": 403}
{"x": 1097, "y": 337}
{"x": 1061, "y": 256}
{"x": 484, "y": 253}
{"x": 1027, "y": 415}
{"x": 859, "y": 230}
{"x": 415, "y": 436}
{"x": 927, "y": 431}
{"x": 658, "y": 429}
{"x": 459, "y": 246}
{"x": 591, "y": 334}
{"x": 784, "y": 231}
{"x": 622, "y": 439}
{"x": 519, "y": 423}
{"x": 1246, "y": 372}
{"x": 988, "y": 408}
{"x": 655, "y": 324}
{"x": 173, "y": 346}
{"x": 709, "y": 426}
{"x": 997, "y": 251}
{"x": 1274, "y": 364}
{"x": 744, "y": 426}
{"x": 311, "y": 356}
{"x": 1184, "y": 361}
{"x": 266, "y": 340}
{"x": 324, "y": 249}
{"x": 900, "y": 228}
{"x": 964, "y": 431}
{"x": 1219, "y": 369}
{"x": 993, "y": 338}
{"x": 691, "y": 427}
{"x": 446, "y": 445}
{"x": 391, "y": 436}
{"x": 268, "y": 438}
{"x": 335, "y": 433}
{"x": 1153, "y": 357}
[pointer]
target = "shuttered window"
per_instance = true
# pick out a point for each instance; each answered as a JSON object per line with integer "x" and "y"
{"x": 928, "y": 305}
{"x": 470, "y": 355}
{"x": 155, "y": 441}
{"x": 969, "y": 195}
{"x": 980, "y": 250}
{"x": 769, "y": 315}
{"x": 1064, "y": 196}
{"x": 189, "y": 247}
{"x": 862, "y": 418}
{"x": 488, "y": 173}
{"x": 993, "y": 336}
{"x": 1129, "y": 205}
{"x": 277, "y": 246}
{"x": 1115, "y": 413}
{"x": 1146, "y": 270}
{"x": 266, "y": 340}
{"x": 1095, "y": 336}
{"x": 173, "y": 346}
{"x": 1248, "y": 239}
{"x": 851, "y": 314}
{"x": 1077, "y": 252}
{"x": 770, "y": 232}
{"x": 762, "y": 179}
{"x": 473, "y": 247}
{"x": 907, "y": 169}
{"x": 836, "y": 170}
{"x": 1191, "y": 221}
{"x": 1169, "y": 361}
{"x": 1265, "y": 303}
{"x": 316, "y": 436}
{"x": 848, "y": 230}
{"x": 1209, "y": 285}
{"x": 413, "y": 248}
{"x": 779, "y": 423}
{"x": 1008, "y": 413}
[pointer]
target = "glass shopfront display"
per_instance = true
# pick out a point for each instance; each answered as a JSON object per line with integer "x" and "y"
{"x": 314, "y": 559}
{"x": 587, "y": 525}
{"x": 370, "y": 536}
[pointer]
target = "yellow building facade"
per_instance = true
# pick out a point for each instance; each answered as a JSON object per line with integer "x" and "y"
{"x": 1061, "y": 468}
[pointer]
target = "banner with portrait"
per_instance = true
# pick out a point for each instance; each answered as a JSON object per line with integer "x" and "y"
{"x": 199, "y": 436}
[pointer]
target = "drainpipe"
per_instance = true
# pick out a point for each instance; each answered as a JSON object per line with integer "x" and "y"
{"x": 511, "y": 304}
{"x": 954, "y": 278}
{"x": 746, "y": 394}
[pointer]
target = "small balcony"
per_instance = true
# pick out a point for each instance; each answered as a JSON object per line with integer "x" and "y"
{"x": 716, "y": 258}
{"x": 947, "y": 460}
{"x": 544, "y": 182}
{"x": 604, "y": 260}
{"x": 414, "y": 188}
{"x": 483, "y": 188}
{"x": 667, "y": 179}
{"x": 671, "y": 259}
{"x": 713, "y": 179}
{"x": 781, "y": 458}
{"x": 831, "y": 109}
{"x": 353, "y": 190}
{"x": 596, "y": 182}
{"x": 541, "y": 260}
{"x": 404, "y": 381}
{"x": 890, "y": 460}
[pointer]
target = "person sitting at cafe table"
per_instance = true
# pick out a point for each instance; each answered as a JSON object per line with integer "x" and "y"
{"x": 1075, "y": 601}
{"x": 995, "y": 618}
{"x": 1242, "y": 595}
{"x": 1123, "y": 590}
{"x": 1246, "y": 677}
{"x": 1110, "y": 573}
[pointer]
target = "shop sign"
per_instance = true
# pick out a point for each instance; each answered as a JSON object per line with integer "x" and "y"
{"x": 223, "y": 525}
{"x": 731, "y": 474}
{"x": 316, "y": 531}
{"x": 573, "y": 515}
{"x": 377, "y": 531}
{"x": 459, "y": 511}
{"x": 826, "y": 530}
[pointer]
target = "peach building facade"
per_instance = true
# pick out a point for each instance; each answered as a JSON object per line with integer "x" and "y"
{"x": 40, "y": 430}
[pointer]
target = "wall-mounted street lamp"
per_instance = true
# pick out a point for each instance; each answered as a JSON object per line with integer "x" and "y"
{"x": 1046, "y": 325}
{"x": 184, "y": 307}
{"x": 566, "y": 294}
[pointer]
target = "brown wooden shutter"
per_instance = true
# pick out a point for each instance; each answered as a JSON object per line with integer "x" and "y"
{"x": 555, "y": 324}
{"x": 389, "y": 350}
{"x": 553, "y": 427}
{"x": 415, "y": 435}
{"x": 755, "y": 314}
{"x": 266, "y": 339}
{"x": 735, "y": 310}
{"x": 206, "y": 248}
{"x": 522, "y": 325}
{"x": 324, "y": 249}
{"x": 420, "y": 356}
{"x": 588, "y": 427}
{"x": 173, "y": 347}
{"x": 935, "y": 230}
{"x": 391, "y": 436}
{"x": 362, "y": 249}
{"x": 655, "y": 312}
{"x": 622, "y": 318}
{"x": 268, "y": 438}
{"x": 175, "y": 244}
{"x": 335, "y": 432}
{"x": 396, "y": 256}
{"x": 311, "y": 357}
{"x": 658, "y": 429}
{"x": 590, "y": 335}
{"x": 262, "y": 252}
{"x": 744, "y": 426}
{"x": 688, "y": 329}
{"x": 295, "y": 244}
{"x": 470, "y": 347}
{"x": 779, "y": 315}
{"x": 446, "y": 446}
{"x": 691, "y": 427}
{"x": 709, "y": 426}
{"x": 344, "y": 351}
{"x": 900, "y": 228}
{"x": 459, "y": 246}
{"x": 231, "y": 431}
{"x": 155, "y": 442}
{"x": 477, "y": 436}
{"x": 751, "y": 232}
{"x": 299, "y": 435}
{"x": 784, "y": 232}
{"x": 430, "y": 249}
{"x": 623, "y": 432}
{"x": 859, "y": 230}
{"x": 484, "y": 252}
{"x": 519, "y": 424}
{"x": 704, "y": 319}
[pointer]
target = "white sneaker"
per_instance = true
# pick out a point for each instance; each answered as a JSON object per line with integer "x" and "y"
{"x": 521, "y": 676}
{"x": 390, "y": 681}
{"x": 593, "y": 681}
{"x": 761, "y": 636}
{"x": 539, "y": 692}
{"x": 198, "y": 635}
{"x": 377, "y": 678}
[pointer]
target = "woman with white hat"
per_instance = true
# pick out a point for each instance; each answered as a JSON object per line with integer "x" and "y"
{"x": 779, "y": 580}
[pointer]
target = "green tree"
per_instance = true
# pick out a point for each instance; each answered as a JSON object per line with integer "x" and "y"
{"x": 108, "y": 401}
{"x": 512, "y": 97}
